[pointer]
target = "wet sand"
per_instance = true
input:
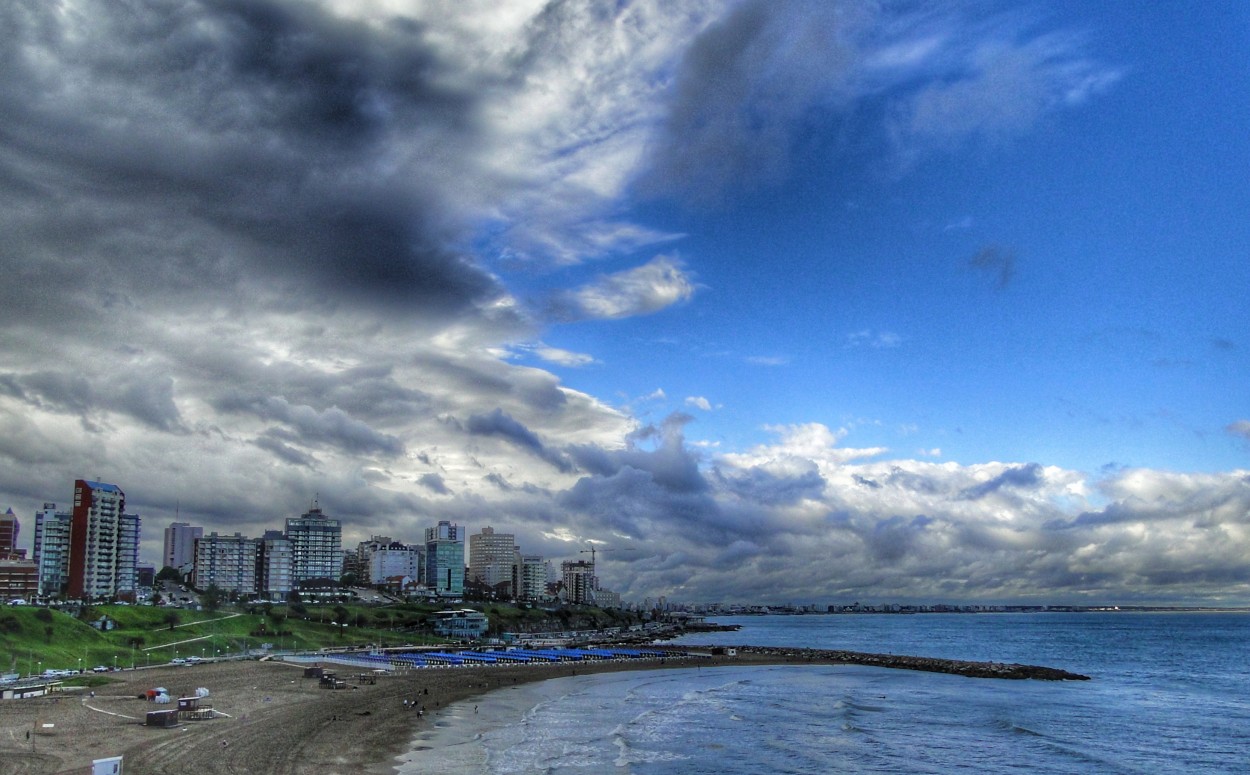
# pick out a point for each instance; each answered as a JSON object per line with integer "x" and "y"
{"x": 276, "y": 721}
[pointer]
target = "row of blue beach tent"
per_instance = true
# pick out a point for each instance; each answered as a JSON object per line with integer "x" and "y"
{"x": 511, "y": 656}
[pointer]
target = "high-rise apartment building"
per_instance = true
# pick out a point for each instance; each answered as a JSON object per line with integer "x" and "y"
{"x": 9, "y": 528}
{"x": 493, "y": 560}
{"x": 579, "y": 581}
{"x": 180, "y": 545}
{"x": 316, "y": 546}
{"x": 444, "y": 559}
{"x": 227, "y": 562}
{"x": 274, "y": 565}
{"x": 19, "y": 577}
{"x": 52, "y": 529}
{"x": 103, "y": 543}
{"x": 533, "y": 578}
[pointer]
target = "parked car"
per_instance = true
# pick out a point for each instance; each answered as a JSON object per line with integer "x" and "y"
{"x": 100, "y": 669}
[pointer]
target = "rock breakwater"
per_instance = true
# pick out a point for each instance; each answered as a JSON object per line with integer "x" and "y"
{"x": 1010, "y": 671}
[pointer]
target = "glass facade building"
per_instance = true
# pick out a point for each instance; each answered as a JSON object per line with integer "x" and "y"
{"x": 444, "y": 559}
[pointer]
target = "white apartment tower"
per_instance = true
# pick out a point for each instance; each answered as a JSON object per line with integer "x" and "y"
{"x": 227, "y": 562}
{"x": 493, "y": 560}
{"x": 180, "y": 545}
{"x": 532, "y": 578}
{"x": 103, "y": 545}
{"x": 316, "y": 546}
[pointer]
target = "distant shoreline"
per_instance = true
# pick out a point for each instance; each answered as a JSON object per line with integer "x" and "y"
{"x": 893, "y": 610}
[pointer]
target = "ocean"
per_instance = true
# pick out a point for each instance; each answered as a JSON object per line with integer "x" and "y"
{"x": 1170, "y": 693}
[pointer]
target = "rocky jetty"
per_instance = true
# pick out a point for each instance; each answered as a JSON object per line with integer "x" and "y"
{"x": 902, "y": 662}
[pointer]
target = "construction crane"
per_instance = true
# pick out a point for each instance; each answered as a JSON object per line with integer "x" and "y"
{"x": 591, "y": 551}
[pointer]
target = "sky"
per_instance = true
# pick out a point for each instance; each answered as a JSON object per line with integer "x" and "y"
{"x": 773, "y": 301}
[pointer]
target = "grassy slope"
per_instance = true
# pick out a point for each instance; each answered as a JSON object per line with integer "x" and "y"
{"x": 143, "y": 635}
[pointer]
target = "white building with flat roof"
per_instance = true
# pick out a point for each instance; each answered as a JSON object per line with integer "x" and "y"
{"x": 493, "y": 560}
{"x": 180, "y": 545}
{"x": 225, "y": 561}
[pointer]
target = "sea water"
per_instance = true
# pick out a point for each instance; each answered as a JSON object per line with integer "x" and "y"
{"x": 1170, "y": 693}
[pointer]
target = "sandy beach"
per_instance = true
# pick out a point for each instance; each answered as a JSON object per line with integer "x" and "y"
{"x": 270, "y": 718}
{"x": 275, "y": 720}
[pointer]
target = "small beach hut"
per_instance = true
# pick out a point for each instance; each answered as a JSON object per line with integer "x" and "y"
{"x": 162, "y": 718}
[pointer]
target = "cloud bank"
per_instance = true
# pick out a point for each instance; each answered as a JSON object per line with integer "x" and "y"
{"x": 260, "y": 252}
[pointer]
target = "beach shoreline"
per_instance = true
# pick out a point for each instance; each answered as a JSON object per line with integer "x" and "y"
{"x": 271, "y": 718}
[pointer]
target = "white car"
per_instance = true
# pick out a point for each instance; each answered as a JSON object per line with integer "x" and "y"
{"x": 178, "y": 661}
{"x": 100, "y": 669}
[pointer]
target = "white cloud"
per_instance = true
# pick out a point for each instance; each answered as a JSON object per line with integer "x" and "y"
{"x": 563, "y": 357}
{"x": 644, "y": 290}
{"x": 768, "y": 360}
{"x": 878, "y": 340}
{"x": 699, "y": 402}
{"x": 1239, "y": 428}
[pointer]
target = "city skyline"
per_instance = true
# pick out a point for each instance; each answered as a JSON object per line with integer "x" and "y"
{"x": 796, "y": 300}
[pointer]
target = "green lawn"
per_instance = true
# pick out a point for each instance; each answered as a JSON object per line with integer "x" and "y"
{"x": 34, "y": 639}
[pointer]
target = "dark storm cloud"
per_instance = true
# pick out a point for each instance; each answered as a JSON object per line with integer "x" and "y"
{"x": 893, "y": 539}
{"x": 331, "y": 426}
{"x": 1024, "y": 477}
{"x": 202, "y": 147}
{"x": 772, "y": 489}
{"x": 500, "y": 424}
{"x": 737, "y": 93}
{"x": 865, "y": 481}
{"x": 147, "y": 398}
{"x": 634, "y": 504}
{"x": 272, "y": 442}
{"x": 371, "y": 392}
{"x": 434, "y": 483}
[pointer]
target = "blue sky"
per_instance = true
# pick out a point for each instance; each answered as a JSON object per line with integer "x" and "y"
{"x": 788, "y": 301}
{"x": 1113, "y": 342}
